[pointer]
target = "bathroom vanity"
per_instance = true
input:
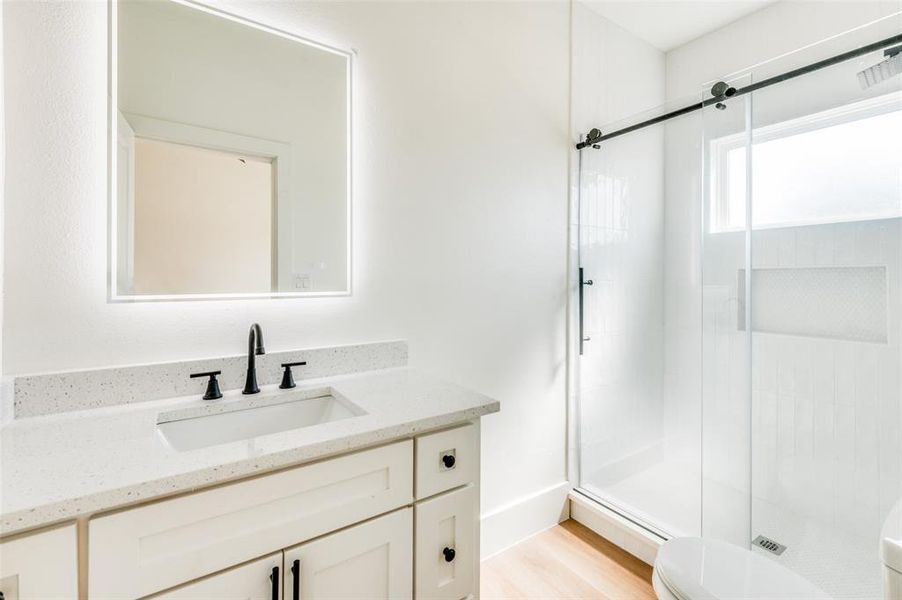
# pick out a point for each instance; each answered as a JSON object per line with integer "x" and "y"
{"x": 351, "y": 526}
{"x": 381, "y": 501}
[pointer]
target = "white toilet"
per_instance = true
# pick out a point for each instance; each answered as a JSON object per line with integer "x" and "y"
{"x": 692, "y": 568}
{"x": 891, "y": 553}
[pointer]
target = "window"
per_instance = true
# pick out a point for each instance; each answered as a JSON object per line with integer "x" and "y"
{"x": 844, "y": 164}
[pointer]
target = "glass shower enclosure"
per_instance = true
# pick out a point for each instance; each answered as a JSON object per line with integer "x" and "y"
{"x": 741, "y": 323}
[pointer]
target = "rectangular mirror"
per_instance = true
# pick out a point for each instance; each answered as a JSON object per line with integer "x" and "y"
{"x": 230, "y": 157}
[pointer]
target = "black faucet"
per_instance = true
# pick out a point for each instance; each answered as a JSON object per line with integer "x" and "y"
{"x": 254, "y": 347}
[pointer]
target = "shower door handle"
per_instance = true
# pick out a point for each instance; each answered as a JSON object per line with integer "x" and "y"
{"x": 582, "y": 283}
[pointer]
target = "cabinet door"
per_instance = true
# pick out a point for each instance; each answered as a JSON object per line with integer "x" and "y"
{"x": 41, "y": 566}
{"x": 446, "y": 546}
{"x": 257, "y": 580}
{"x": 372, "y": 560}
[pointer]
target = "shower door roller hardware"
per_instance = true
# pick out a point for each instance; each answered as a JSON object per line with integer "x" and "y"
{"x": 582, "y": 283}
{"x": 592, "y": 139}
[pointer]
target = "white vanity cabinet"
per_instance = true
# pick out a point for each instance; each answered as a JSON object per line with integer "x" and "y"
{"x": 40, "y": 566}
{"x": 361, "y": 525}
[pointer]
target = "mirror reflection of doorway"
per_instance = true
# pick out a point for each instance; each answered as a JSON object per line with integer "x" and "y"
{"x": 203, "y": 220}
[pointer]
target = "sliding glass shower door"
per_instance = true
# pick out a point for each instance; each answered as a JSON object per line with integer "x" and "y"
{"x": 639, "y": 376}
{"x": 826, "y": 315}
{"x": 741, "y": 324}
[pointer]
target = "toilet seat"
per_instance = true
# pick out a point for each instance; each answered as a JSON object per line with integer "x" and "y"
{"x": 891, "y": 553}
{"x": 661, "y": 590}
{"x": 701, "y": 569}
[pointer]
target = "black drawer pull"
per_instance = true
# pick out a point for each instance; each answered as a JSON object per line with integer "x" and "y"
{"x": 448, "y": 460}
{"x": 449, "y": 554}
{"x": 274, "y": 577}
{"x": 296, "y": 580}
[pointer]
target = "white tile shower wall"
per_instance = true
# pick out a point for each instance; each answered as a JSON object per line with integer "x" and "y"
{"x": 48, "y": 393}
{"x": 828, "y": 413}
{"x": 844, "y": 303}
{"x": 620, "y": 240}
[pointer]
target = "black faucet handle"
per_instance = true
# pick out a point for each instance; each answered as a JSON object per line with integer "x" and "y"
{"x": 287, "y": 377}
{"x": 213, "y": 392}
{"x": 205, "y": 374}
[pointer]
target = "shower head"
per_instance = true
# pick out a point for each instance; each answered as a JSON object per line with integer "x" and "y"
{"x": 885, "y": 69}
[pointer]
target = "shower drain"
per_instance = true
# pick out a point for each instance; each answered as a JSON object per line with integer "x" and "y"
{"x": 769, "y": 545}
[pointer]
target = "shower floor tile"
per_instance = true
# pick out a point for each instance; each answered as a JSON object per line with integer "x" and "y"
{"x": 844, "y": 565}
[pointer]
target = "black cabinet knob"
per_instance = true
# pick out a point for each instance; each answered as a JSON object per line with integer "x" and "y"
{"x": 449, "y": 554}
{"x": 448, "y": 460}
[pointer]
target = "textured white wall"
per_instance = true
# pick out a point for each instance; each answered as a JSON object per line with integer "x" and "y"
{"x": 459, "y": 216}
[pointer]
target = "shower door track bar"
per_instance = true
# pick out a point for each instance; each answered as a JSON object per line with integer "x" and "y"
{"x": 594, "y": 137}
{"x": 623, "y": 514}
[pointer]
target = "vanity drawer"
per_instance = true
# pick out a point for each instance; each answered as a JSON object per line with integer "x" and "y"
{"x": 446, "y": 460}
{"x": 150, "y": 548}
{"x": 447, "y": 545}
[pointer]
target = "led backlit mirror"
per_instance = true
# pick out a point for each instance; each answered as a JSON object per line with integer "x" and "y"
{"x": 230, "y": 158}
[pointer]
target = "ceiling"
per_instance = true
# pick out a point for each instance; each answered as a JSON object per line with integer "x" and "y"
{"x": 667, "y": 25}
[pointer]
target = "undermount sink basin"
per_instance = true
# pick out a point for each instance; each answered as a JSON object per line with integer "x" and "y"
{"x": 187, "y": 430}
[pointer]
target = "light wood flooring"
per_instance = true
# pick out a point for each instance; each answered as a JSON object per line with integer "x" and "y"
{"x": 567, "y": 561}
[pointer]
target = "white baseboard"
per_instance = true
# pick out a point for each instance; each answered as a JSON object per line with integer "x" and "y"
{"x": 522, "y": 518}
{"x": 639, "y": 542}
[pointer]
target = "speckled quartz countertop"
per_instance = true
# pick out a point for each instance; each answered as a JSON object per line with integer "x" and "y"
{"x": 57, "y": 467}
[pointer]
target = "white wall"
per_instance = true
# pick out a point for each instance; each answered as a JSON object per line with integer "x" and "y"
{"x": 459, "y": 216}
{"x": 203, "y": 221}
